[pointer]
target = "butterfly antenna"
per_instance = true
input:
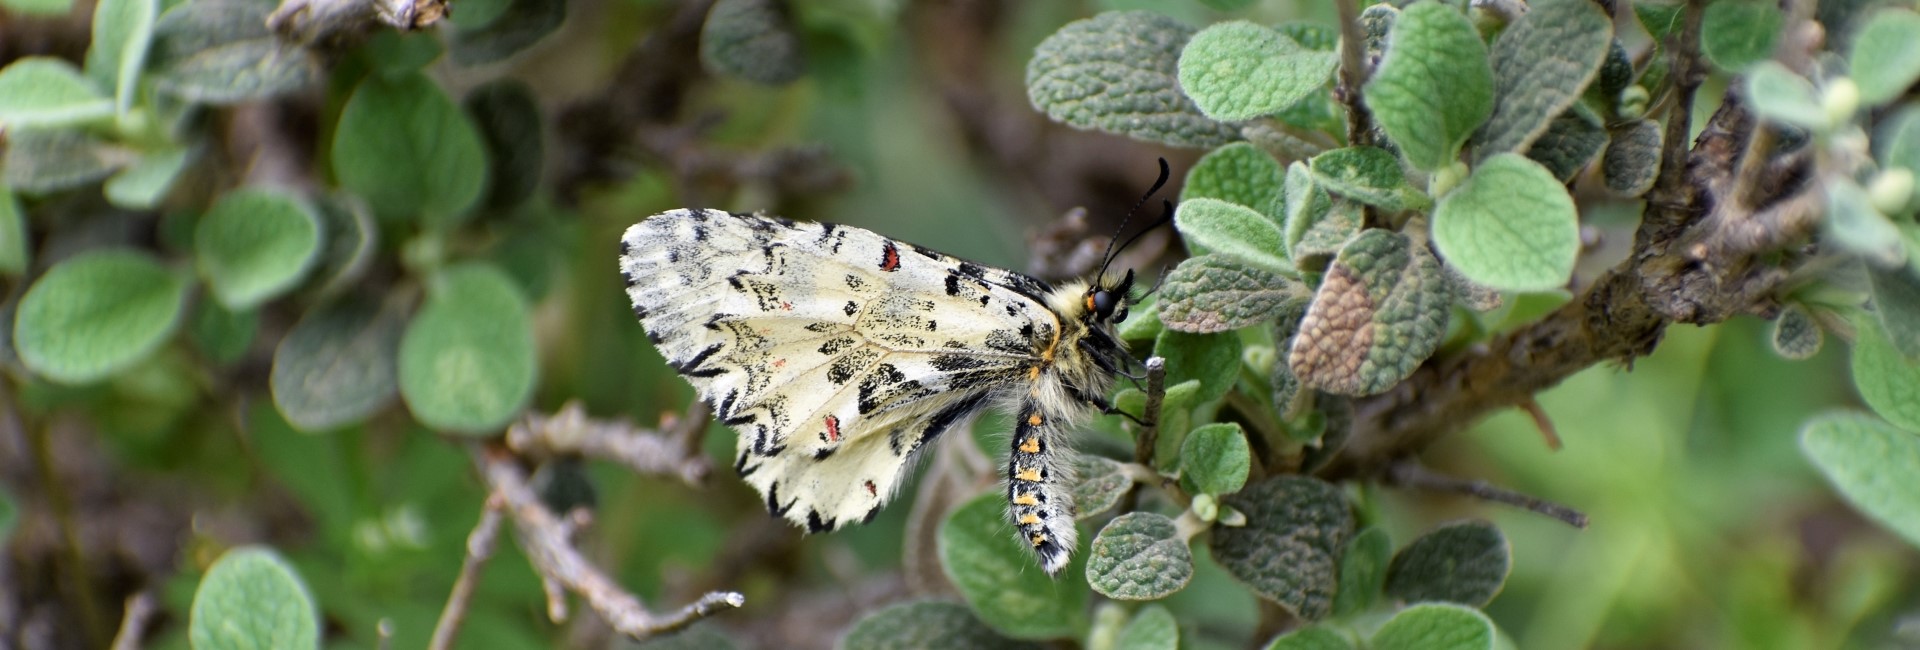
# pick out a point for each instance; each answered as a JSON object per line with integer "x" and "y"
{"x": 1107, "y": 257}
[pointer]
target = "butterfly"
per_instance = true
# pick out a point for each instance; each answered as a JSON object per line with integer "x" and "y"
{"x": 837, "y": 353}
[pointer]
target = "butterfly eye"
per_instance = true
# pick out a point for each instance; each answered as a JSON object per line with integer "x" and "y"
{"x": 1103, "y": 304}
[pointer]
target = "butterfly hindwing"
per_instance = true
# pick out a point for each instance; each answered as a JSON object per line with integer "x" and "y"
{"x": 834, "y": 352}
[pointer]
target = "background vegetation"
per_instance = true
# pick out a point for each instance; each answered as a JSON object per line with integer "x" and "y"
{"x": 306, "y": 299}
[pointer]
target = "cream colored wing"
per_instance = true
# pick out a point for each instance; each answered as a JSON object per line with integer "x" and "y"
{"x": 836, "y": 353}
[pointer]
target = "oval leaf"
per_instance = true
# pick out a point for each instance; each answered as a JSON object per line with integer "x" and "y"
{"x": 1380, "y": 311}
{"x": 1369, "y": 175}
{"x": 1434, "y": 87}
{"x": 1239, "y": 71}
{"x": 255, "y": 244}
{"x": 1896, "y": 300}
{"x": 1289, "y": 549}
{"x": 1215, "y": 459}
{"x": 1363, "y": 571}
{"x": 1211, "y": 359}
{"x": 96, "y": 313}
{"x": 43, "y": 91}
{"x": 995, "y": 574}
{"x": 1139, "y": 556}
{"x": 1311, "y": 638}
{"x": 337, "y": 366}
{"x": 754, "y": 40}
{"x": 1238, "y": 173}
{"x": 1224, "y": 228}
{"x": 14, "y": 249}
{"x": 252, "y": 600}
{"x": 122, "y": 30}
{"x": 1154, "y": 628}
{"x": 1885, "y": 59}
{"x": 1510, "y": 226}
{"x": 1541, "y": 63}
{"x": 1098, "y": 485}
{"x": 467, "y": 359}
{"x": 1888, "y": 381}
{"x": 1216, "y": 293}
{"x": 508, "y": 118}
{"x": 1464, "y": 562}
{"x": 1779, "y": 95}
{"x": 1632, "y": 162}
{"x": 932, "y": 625}
{"x": 1116, "y": 72}
{"x": 1795, "y": 334}
{"x": 1435, "y": 626}
{"x": 1572, "y": 140}
{"x": 1737, "y": 33}
{"x": 405, "y": 148}
{"x": 40, "y": 161}
{"x": 1872, "y": 464}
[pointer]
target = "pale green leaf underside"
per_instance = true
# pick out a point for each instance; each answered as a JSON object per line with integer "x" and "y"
{"x": 1154, "y": 628}
{"x": 1239, "y": 71}
{"x": 97, "y": 313}
{"x": 253, "y": 600}
{"x": 1872, "y": 464}
{"x": 1235, "y": 230}
{"x": 467, "y": 360}
{"x": 1510, "y": 226}
{"x": 48, "y": 92}
{"x": 254, "y": 245}
{"x": 1238, "y": 173}
{"x": 1434, "y": 87}
{"x": 1888, "y": 381}
{"x": 1435, "y": 626}
{"x": 1885, "y": 59}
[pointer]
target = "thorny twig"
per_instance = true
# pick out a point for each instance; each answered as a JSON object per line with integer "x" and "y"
{"x": 672, "y": 452}
{"x": 1409, "y": 473}
{"x": 547, "y": 541}
{"x": 480, "y": 545}
{"x": 133, "y": 623}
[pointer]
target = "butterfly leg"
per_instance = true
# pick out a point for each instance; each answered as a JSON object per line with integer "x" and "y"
{"x": 1038, "y": 500}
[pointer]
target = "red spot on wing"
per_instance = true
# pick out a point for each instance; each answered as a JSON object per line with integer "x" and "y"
{"x": 889, "y": 258}
{"x": 779, "y": 363}
{"x": 833, "y": 429}
{"x": 873, "y": 490}
{"x": 786, "y": 305}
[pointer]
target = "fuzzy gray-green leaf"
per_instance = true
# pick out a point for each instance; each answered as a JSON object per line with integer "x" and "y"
{"x": 1780, "y": 95}
{"x": 337, "y": 366}
{"x": 40, "y": 161}
{"x": 1510, "y": 226}
{"x": 1117, "y": 72}
{"x": 995, "y": 574}
{"x": 467, "y": 360}
{"x": 255, "y": 244}
{"x": 1888, "y": 381}
{"x": 1238, "y": 231}
{"x": 1369, "y": 175}
{"x": 1098, "y": 485}
{"x": 1238, "y": 173}
{"x": 1434, "y": 87}
{"x": 1571, "y": 141}
{"x": 1885, "y": 58}
{"x": 1290, "y": 548}
{"x": 1737, "y": 33}
{"x": 97, "y": 313}
{"x": 1380, "y": 311}
{"x": 1796, "y": 335}
{"x": 1541, "y": 63}
{"x": 1139, "y": 556}
{"x": 1435, "y": 626}
{"x": 1363, "y": 571}
{"x": 1239, "y": 71}
{"x": 1632, "y": 161}
{"x": 1872, "y": 464}
{"x": 926, "y": 625}
{"x": 1463, "y": 562}
{"x": 754, "y": 40}
{"x": 1896, "y": 300}
{"x": 1153, "y": 628}
{"x": 41, "y": 91}
{"x": 1311, "y": 638}
{"x": 251, "y": 599}
{"x": 1216, "y": 293}
{"x": 1215, "y": 459}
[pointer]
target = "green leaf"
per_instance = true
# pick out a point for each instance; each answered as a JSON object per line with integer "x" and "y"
{"x": 15, "y": 253}
{"x": 1380, "y": 311}
{"x": 1223, "y": 228}
{"x": 404, "y": 147}
{"x": 1216, "y": 293}
{"x": 1435, "y": 626}
{"x": 1659, "y": 19}
{"x": 1896, "y": 300}
{"x": 1855, "y": 225}
{"x": 337, "y": 366}
{"x": 191, "y": 27}
{"x": 240, "y": 71}
{"x": 1363, "y": 571}
{"x": 1369, "y": 175}
{"x": 142, "y": 185}
{"x": 1795, "y": 334}
{"x": 392, "y": 53}
{"x": 1143, "y": 324}
{"x": 9, "y": 514}
{"x": 97, "y": 313}
{"x": 1154, "y": 628}
{"x": 1737, "y": 33}
{"x": 1510, "y": 226}
{"x": 38, "y": 7}
{"x": 1897, "y": 144}
{"x": 1289, "y": 550}
{"x": 1311, "y": 638}
{"x": 45, "y": 92}
{"x": 754, "y": 40}
{"x": 254, "y": 245}
{"x": 1139, "y": 556}
{"x": 1098, "y": 485}
{"x": 1571, "y": 141}
{"x": 1885, "y": 58}
{"x": 251, "y": 599}
{"x": 1541, "y": 63}
{"x": 1239, "y": 71}
{"x": 223, "y": 335}
{"x": 1434, "y": 87}
{"x": 520, "y": 25}
{"x": 995, "y": 574}
{"x": 122, "y": 30}
{"x": 1778, "y": 94}
{"x": 1214, "y": 359}
{"x": 509, "y": 122}
{"x": 1238, "y": 173}
{"x": 1871, "y": 464}
{"x": 1888, "y": 381}
{"x": 1464, "y": 562}
{"x": 467, "y": 360}
{"x": 1311, "y": 35}
{"x": 1632, "y": 161}
{"x": 351, "y": 240}
{"x": 1116, "y": 72}
{"x": 932, "y": 625}
{"x": 44, "y": 161}
{"x": 1215, "y": 459}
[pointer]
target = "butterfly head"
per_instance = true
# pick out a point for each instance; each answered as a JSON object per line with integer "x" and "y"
{"x": 1108, "y": 303}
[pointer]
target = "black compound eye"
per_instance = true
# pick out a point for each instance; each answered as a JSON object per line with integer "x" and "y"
{"x": 1103, "y": 304}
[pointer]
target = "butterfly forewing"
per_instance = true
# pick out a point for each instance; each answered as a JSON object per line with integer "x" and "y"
{"x": 836, "y": 353}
